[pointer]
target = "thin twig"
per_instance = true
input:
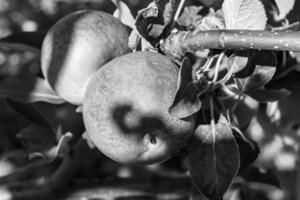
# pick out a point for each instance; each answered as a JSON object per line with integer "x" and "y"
{"x": 212, "y": 114}
{"x": 221, "y": 56}
{"x": 212, "y": 122}
{"x": 227, "y": 77}
{"x": 171, "y": 24}
{"x": 178, "y": 11}
{"x": 237, "y": 102}
{"x": 229, "y": 93}
{"x": 206, "y": 66}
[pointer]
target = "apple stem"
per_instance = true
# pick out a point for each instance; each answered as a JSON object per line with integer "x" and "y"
{"x": 177, "y": 44}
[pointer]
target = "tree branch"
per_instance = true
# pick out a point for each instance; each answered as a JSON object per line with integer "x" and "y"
{"x": 179, "y": 43}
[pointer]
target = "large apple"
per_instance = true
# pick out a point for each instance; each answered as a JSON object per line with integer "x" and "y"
{"x": 125, "y": 109}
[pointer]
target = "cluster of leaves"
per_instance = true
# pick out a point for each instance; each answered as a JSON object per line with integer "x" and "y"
{"x": 208, "y": 78}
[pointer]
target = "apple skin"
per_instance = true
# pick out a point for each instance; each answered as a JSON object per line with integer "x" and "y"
{"x": 76, "y": 46}
{"x": 125, "y": 109}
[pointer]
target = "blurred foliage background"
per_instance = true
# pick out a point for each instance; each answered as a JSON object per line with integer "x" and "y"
{"x": 29, "y": 15}
{"x": 39, "y": 15}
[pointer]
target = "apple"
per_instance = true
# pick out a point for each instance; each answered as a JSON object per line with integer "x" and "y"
{"x": 125, "y": 109}
{"x": 76, "y": 46}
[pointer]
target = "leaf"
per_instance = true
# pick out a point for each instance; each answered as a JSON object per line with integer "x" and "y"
{"x": 60, "y": 150}
{"x": 190, "y": 16}
{"x": 50, "y": 116}
{"x": 254, "y": 174}
{"x": 244, "y": 14}
{"x": 213, "y": 158}
{"x": 258, "y": 190}
{"x": 28, "y": 89}
{"x": 297, "y": 56}
{"x": 248, "y": 149}
{"x": 150, "y": 23}
{"x": 25, "y": 40}
{"x": 265, "y": 63}
{"x": 212, "y": 21}
{"x": 88, "y": 140}
{"x": 185, "y": 75}
{"x": 12, "y": 161}
{"x": 124, "y": 15}
{"x": 115, "y": 2}
{"x": 36, "y": 138}
{"x": 187, "y": 104}
{"x": 170, "y": 10}
{"x": 56, "y": 117}
{"x": 268, "y": 95}
{"x": 30, "y": 112}
{"x": 238, "y": 61}
{"x": 195, "y": 194}
{"x": 211, "y": 3}
{"x": 79, "y": 109}
{"x": 284, "y": 7}
{"x": 146, "y": 45}
{"x": 186, "y": 101}
{"x": 287, "y": 27}
{"x": 134, "y": 40}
